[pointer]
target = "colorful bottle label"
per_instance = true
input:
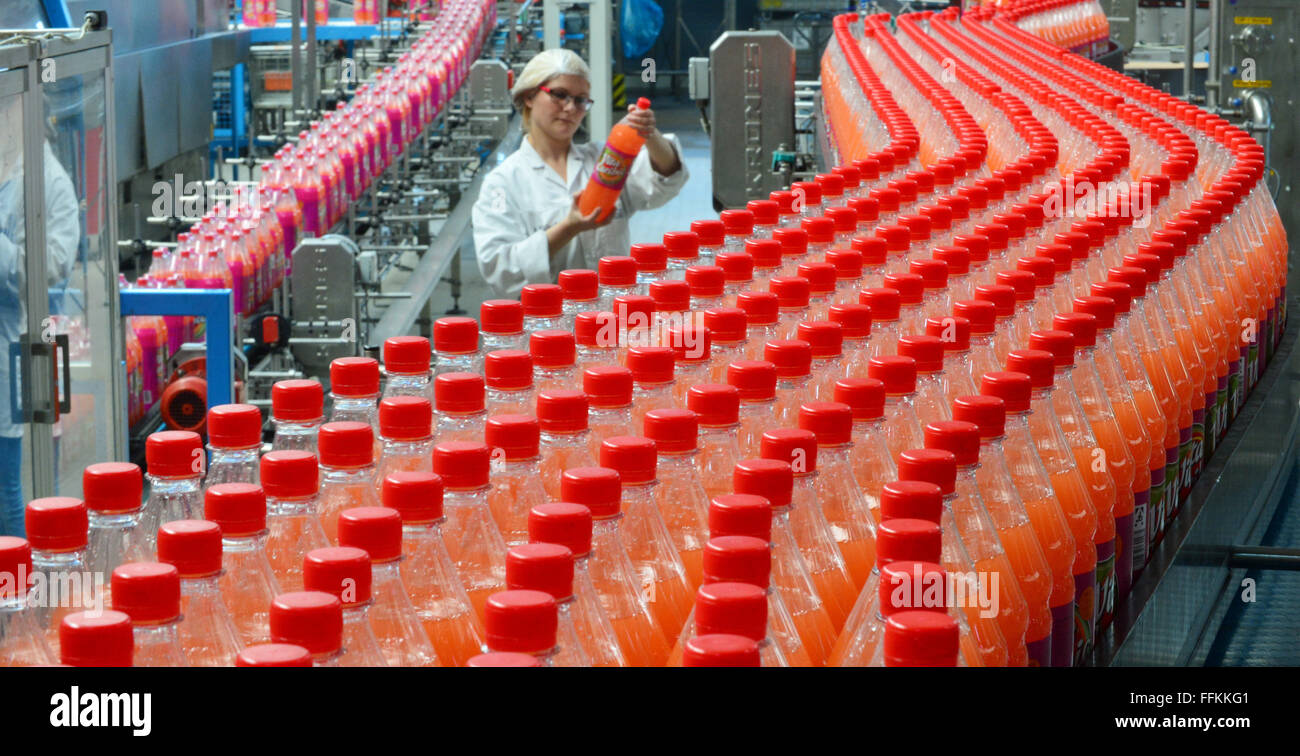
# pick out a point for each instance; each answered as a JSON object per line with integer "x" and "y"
{"x": 1211, "y": 431}
{"x": 1153, "y": 511}
{"x": 1198, "y": 448}
{"x": 1184, "y": 483}
{"x": 1085, "y": 615}
{"x": 1106, "y": 582}
{"x": 1223, "y": 403}
{"x": 1040, "y": 651}
{"x": 1124, "y": 548}
{"x": 1062, "y": 650}
{"x": 612, "y": 168}
{"x": 1239, "y": 388}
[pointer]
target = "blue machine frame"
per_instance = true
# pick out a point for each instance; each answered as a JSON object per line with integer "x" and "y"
{"x": 216, "y": 306}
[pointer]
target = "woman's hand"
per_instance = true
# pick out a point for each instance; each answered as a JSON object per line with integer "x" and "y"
{"x": 573, "y": 224}
{"x": 663, "y": 158}
{"x": 641, "y": 120}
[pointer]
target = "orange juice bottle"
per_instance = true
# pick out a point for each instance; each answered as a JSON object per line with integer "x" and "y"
{"x": 247, "y": 582}
{"x": 405, "y": 436}
{"x": 548, "y": 568}
{"x": 902, "y": 427}
{"x": 564, "y": 442}
{"x": 680, "y": 498}
{"x": 611, "y": 170}
{"x": 1041, "y": 428}
{"x": 746, "y": 559}
{"x": 473, "y": 540}
{"x": 291, "y": 480}
{"x": 799, "y": 531}
{"x": 718, "y": 408}
{"x": 347, "y": 472}
{"x": 991, "y": 572}
{"x": 570, "y": 525}
{"x": 869, "y": 457}
{"x": 1006, "y": 514}
{"x": 436, "y": 590}
{"x": 401, "y": 635}
{"x": 516, "y": 480}
{"x": 619, "y": 584}
{"x": 645, "y": 534}
{"x": 207, "y": 632}
{"x": 738, "y": 609}
{"x": 750, "y": 515}
{"x": 838, "y": 493}
{"x": 23, "y": 643}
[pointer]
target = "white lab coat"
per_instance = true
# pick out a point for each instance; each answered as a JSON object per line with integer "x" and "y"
{"x": 523, "y": 196}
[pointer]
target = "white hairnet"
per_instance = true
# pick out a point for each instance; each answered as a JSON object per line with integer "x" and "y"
{"x": 545, "y": 66}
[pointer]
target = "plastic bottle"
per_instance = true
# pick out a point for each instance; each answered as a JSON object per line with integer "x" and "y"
{"x": 884, "y": 304}
{"x": 737, "y": 227}
{"x": 297, "y": 410}
{"x": 22, "y": 636}
{"x": 554, "y": 354}
{"x": 96, "y": 639}
{"x": 234, "y": 443}
{"x": 707, "y": 285}
{"x": 473, "y": 539}
{"x": 58, "y": 533}
{"x": 681, "y": 498}
{"x": 406, "y": 363}
{"x": 902, "y": 426}
{"x": 347, "y": 472}
{"x": 718, "y": 443}
{"x": 854, "y": 321}
{"x": 580, "y": 288}
{"x": 930, "y": 398}
{"x": 692, "y": 349}
{"x": 527, "y": 622}
{"x": 405, "y": 435}
{"x": 921, "y": 639}
{"x": 683, "y": 253}
{"x": 208, "y": 635}
{"x": 459, "y": 404}
{"x": 508, "y": 378}
{"x": 312, "y": 620}
{"x": 738, "y": 275}
{"x": 112, "y": 492}
{"x": 345, "y": 573}
{"x": 869, "y": 456}
{"x": 652, "y": 374}
{"x": 565, "y": 440}
{"x": 436, "y": 590}
{"x": 247, "y": 583}
{"x": 548, "y": 568}
{"x": 354, "y": 390}
{"x": 150, "y": 594}
{"x": 738, "y": 609}
{"x": 291, "y": 480}
{"x": 825, "y": 339}
{"x": 609, "y": 393}
{"x": 756, "y": 382}
{"x": 721, "y": 650}
{"x": 501, "y": 325}
{"x": 651, "y": 266}
{"x": 794, "y": 384}
{"x": 176, "y": 464}
{"x": 712, "y": 236}
{"x": 617, "y": 277}
{"x": 516, "y": 479}
{"x": 378, "y": 532}
{"x": 569, "y": 526}
{"x": 621, "y": 585}
{"x": 455, "y": 346}
{"x": 621, "y": 148}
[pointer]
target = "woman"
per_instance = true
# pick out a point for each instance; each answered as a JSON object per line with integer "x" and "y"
{"x": 527, "y": 227}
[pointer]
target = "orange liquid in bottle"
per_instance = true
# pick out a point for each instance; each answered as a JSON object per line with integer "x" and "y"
{"x": 455, "y": 639}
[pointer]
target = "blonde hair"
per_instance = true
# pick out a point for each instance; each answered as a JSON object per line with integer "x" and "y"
{"x": 544, "y": 66}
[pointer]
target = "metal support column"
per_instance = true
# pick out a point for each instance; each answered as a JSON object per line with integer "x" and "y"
{"x": 1189, "y": 64}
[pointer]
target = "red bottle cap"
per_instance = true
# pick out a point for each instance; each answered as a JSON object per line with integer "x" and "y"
{"x": 147, "y": 592}
{"x": 599, "y": 489}
{"x": 807, "y": 191}
{"x": 619, "y": 270}
{"x": 462, "y": 464}
{"x": 311, "y": 619}
{"x": 832, "y": 422}
{"x": 737, "y": 222}
{"x": 884, "y": 303}
{"x": 902, "y": 539}
{"x": 769, "y": 478}
{"x": 577, "y": 284}
{"x": 897, "y": 372}
{"x": 1014, "y": 389}
{"x": 542, "y": 300}
{"x": 956, "y": 259}
{"x": 738, "y": 267}
{"x": 274, "y": 655}
{"x": 239, "y": 509}
{"x": 720, "y": 650}
{"x": 904, "y": 584}
{"x": 784, "y": 200}
{"x": 375, "y": 530}
{"x": 755, "y": 379}
{"x": 711, "y": 232}
{"x": 926, "y": 351}
{"x": 714, "y": 404}
{"x": 897, "y": 238}
{"x": 502, "y": 316}
{"x": 820, "y": 277}
{"x": 650, "y": 258}
{"x": 564, "y": 523}
{"x": 289, "y": 474}
{"x": 741, "y": 515}
{"x": 760, "y": 307}
{"x": 797, "y": 448}
{"x": 1038, "y": 364}
{"x": 671, "y": 296}
{"x": 416, "y": 495}
{"x": 704, "y": 281}
{"x": 517, "y": 436}
{"x": 866, "y": 209}
{"x": 846, "y": 264}
{"x": 1100, "y": 312}
{"x": 854, "y": 320}
{"x": 793, "y": 241}
{"x": 1002, "y": 296}
{"x": 96, "y": 639}
{"x": 193, "y": 547}
{"x": 766, "y": 253}
{"x": 920, "y": 639}
{"x": 405, "y": 418}
{"x": 792, "y": 357}
{"x": 726, "y": 324}
{"x": 455, "y": 335}
{"x": 593, "y": 329}
{"x": 831, "y": 184}
{"x": 607, "y": 385}
{"x": 561, "y": 411}
{"x": 959, "y": 437}
{"x": 1135, "y": 278}
{"x": 346, "y": 444}
{"x": 735, "y": 608}
{"x": 931, "y": 466}
{"x": 672, "y": 430}
{"x": 56, "y": 523}
{"x": 821, "y": 230}
{"x": 980, "y": 317}
{"x": 987, "y": 412}
{"x": 175, "y": 454}
{"x": 406, "y": 355}
{"x": 766, "y": 212}
{"x": 1120, "y": 294}
{"x": 1043, "y": 269}
{"x": 633, "y": 457}
{"x": 549, "y": 349}
{"x": 651, "y": 364}
{"x": 953, "y": 331}
{"x": 341, "y": 571}
{"x": 933, "y": 273}
{"x": 912, "y": 500}
{"x": 545, "y": 567}
{"x": 976, "y": 246}
{"x": 297, "y": 400}
{"x": 15, "y": 561}
{"x": 865, "y": 397}
{"x": 1022, "y": 282}
{"x": 682, "y": 245}
{"x": 738, "y": 559}
{"x": 874, "y": 249}
{"x": 239, "y": 426}
{"x": 522, "y": 622}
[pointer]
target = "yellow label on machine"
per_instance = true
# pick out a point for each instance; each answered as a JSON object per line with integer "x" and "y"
{"x": 1253, "y": 20}
{"x": 1261, "y": 84}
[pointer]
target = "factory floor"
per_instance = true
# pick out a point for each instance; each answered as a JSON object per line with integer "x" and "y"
{"x": 680, "y": 117}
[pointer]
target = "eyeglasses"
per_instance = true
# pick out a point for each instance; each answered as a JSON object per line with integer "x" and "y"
{"x": 581, "y": 102}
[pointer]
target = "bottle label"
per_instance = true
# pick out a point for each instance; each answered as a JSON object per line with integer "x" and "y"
{"x": 1184, "y": 483}
{"x": 1239, "y": 390}
{"x": 1085, "y": 614}
{"x": 1062, "y": 650}
{"x": 1170, "y": 501}
{"x": 1106, "y": 582}
{"x": 1153, "y": 509}
{"x": 1223, "y": 403}
{"x": 612, "y": 168}
{"x": 1198, "y": 448}
{"x": 1210, "y": 433}
{"x": 1040, "y": 651}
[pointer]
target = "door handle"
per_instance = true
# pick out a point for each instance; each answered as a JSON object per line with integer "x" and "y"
{"x": 64, "y": 403}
